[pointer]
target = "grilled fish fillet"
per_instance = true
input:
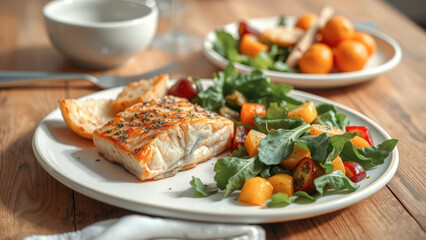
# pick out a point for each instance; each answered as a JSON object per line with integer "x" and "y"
{"x": 156, "y": 139}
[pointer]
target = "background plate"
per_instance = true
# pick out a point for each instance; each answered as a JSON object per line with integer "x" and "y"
{"x": 75, "y": 162}
{"x": 386, "y": 57}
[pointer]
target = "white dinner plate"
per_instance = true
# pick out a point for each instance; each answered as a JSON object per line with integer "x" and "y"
{"x": 386, "y": 57}
{"x": 75, "y": 162}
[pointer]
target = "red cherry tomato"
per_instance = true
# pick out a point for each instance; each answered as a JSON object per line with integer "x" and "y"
{"x": 362, "y": 131}
{"x": 354, "y": 171}
{"x": 244, "y": 28}
{"x": 304, "y": 175}
{"x": 184, "y": 88}
{"x": 240, "y": 136}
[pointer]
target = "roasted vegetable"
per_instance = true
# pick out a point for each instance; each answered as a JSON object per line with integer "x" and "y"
{"x": 251, "y": 46}
{"x": 252, "y": 142}
{"x": 317, "y": 129}
{"x": 293, "y": 159}
{"x": 282, "y": 183}
{"x": 354, "y": 171}
{"x": 362, "y": 131}
{"x": 239, "y": 136}
{"x": 256, "y": 191}
{"x": 249, "y": 110}
{"x": 304, "y": 175}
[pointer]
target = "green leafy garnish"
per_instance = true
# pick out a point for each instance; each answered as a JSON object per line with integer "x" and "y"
{"x": 279, "y": 144}
{"x": 335, "y": 179}
{"x": 278, "y": 200}
{"x": 231, "y": 172}
{"x": 328, "y": 116}
{"x": 202, "y": 189}
{"x": 368, "y": 157}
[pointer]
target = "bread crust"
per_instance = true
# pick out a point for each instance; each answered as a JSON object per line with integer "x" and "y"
{"x": 84, "y": 116}
{"x": 141, "y": 91}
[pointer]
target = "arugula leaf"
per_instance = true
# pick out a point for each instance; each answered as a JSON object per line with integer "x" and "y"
{"x": 276, "y": 112}
{"x": 265, "y": 125}
{"x": 271, "y": 170}
{"x": 241, "y": 152}
{"x": 227, "y": 46}
{"x": 202, "y": 189}
{"x": 213, "y": 97}
{"x": 282, "y": 67}
{"x": 278, "y": 200}
{"x": 328, "y": 115}
{"x": 262, "y": 61}
{"x": 368, "y": 157}
{"x": 231, "y": 172}
{"x": 317, "y": 145}
{"x": 279, "y": 144}
{"x": 335, "y": 147}
{"x": 335, "y": 179}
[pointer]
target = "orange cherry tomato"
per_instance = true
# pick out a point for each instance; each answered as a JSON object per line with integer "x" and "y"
{"x": 350, "y": 56}
{"x": 306, "y": 21}
{"x": 367, "y": 40}
{"x": 337, "y": 29}
{"x": 318, "y": 59}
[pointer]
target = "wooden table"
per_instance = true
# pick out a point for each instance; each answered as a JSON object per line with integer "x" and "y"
{"x": 33, "y": 202}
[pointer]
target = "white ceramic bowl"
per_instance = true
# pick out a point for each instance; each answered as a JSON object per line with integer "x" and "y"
{"x": 100, "y": 33}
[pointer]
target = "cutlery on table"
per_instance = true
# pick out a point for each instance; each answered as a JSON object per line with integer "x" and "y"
{"x": 10, "y": 78}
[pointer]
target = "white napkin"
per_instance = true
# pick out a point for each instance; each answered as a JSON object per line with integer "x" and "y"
{"x": 142, "y": 227}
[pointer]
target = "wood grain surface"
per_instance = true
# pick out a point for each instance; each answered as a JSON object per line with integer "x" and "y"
{"x": 33, "y": 202}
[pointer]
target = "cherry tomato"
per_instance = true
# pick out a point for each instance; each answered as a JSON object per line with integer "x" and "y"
{"x": 240, "y": 136}
{"x": 244, "y": 28}
{"x": 362, "y": 131}
{"x": 354, "y": 171}
{"x": 184, "y": 88}
{"x": 304, "y": 175}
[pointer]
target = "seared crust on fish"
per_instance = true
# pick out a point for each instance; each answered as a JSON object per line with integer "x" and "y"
{"x": 141, "y": 91}
{"x": 156, "y": 139}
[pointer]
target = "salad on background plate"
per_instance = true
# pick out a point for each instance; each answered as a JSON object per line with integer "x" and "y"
{"x": 265, "y": 43}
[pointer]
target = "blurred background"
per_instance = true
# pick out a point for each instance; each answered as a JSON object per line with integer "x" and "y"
{"x": 413, "y": 9}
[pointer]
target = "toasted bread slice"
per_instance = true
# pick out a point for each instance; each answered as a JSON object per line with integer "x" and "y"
{"x": 84, "y": 116}
{"x": 283, "y": 36}
{"x": 141, "y": 91}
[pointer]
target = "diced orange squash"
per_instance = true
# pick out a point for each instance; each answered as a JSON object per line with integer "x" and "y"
{"x": 249, "y": 110}
{"x": 293, "y": 159}
{"x": 282, "y": 183}
{"x": 307, "y": 112}
{"x": 338, "y": 165}
{"x": 256, "y": 191}
{"x": 252, "y": 142}
{"x": 251, "y": 46}
{"x": 317, "y": 129}
{"x": 359, "y": 142}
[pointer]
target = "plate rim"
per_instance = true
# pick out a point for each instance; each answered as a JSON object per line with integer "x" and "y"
{"x": 268, "y": 214}
{"x": 310, "y": 80}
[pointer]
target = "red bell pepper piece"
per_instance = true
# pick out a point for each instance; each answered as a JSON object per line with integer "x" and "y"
{"x": 244, "y": 28}
{"x": 240, "y": 136}
{"x": 362, "y": 131}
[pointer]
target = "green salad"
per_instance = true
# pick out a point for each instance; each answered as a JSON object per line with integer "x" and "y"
{"x": 273, "y": 58}
{"x": 283, "y": 141}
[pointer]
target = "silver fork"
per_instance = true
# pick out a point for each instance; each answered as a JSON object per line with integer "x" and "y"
{"x": 10, "y": 78}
